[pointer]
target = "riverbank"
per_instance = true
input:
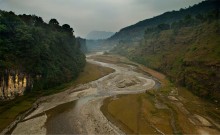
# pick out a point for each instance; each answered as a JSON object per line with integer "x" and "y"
{"x": 129, "y": 100}
{"x": 169, "y": 110}
{"x": 77, "y": 110}
{"x": 12, "y": 110}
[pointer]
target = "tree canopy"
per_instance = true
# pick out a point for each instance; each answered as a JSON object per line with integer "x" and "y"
{"x": 46, "y": 53}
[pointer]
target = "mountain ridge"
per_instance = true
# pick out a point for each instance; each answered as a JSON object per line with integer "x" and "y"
{"x": 135, "y": 32}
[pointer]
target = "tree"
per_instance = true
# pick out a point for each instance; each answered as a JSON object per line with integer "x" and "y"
{"x": 38, "y": 21}
{"x": 67, "y": 28}
{"x": 53, "y": 22}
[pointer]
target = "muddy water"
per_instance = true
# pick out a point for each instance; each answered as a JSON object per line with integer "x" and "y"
{"x": 64, "y": 119}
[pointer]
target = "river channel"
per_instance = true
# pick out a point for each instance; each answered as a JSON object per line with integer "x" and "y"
{"x": 77, "y": 110}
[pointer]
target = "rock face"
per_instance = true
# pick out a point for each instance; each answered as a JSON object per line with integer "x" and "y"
{"x": 12, "y": 84}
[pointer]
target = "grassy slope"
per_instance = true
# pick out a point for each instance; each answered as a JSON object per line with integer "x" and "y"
{"x": 9, "y": 110}
{"x": 189, "y": 56}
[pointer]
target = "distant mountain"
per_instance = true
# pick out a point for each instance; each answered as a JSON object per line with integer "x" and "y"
{"x": 94, "y": 35}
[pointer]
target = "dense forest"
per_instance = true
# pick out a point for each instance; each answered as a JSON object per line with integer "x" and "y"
{"x": 186, "y": 50}
{"x": 35, "y": 55}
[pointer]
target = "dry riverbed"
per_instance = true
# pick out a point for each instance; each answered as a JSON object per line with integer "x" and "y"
{"x": 166, "y": 110}
{"x": 79, "y": 112}
{"x": 128, "y": 100}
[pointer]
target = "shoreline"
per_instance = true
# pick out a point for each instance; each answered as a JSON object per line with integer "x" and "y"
{"x": 35, "y": 105}
{"x": 138, "y": 98}
{"x": 175, "y": 100}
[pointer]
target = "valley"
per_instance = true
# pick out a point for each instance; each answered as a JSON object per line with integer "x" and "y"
{"x": 122, "y": 102}
{"x": 160, "y": 75}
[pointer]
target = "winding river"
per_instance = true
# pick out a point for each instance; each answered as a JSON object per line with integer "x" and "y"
{"x": 77, "y": 110}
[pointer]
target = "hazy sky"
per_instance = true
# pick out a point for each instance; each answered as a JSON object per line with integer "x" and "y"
{"x": 88, "y": 15}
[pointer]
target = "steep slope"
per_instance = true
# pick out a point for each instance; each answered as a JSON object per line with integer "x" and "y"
{"x": 35, "y": 54}
{"x": 188, "y": 52}
{"x": 135, "y": 32}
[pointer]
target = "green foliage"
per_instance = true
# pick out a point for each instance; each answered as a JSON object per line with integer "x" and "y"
{"x": 48, "y": 53}
{"x": 54, "y": 22}
{"x": 188, "y": 52}
{"x": 136, "y": 31}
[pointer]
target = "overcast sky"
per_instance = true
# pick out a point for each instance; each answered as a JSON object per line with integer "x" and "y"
{"x": 88, "y": 15}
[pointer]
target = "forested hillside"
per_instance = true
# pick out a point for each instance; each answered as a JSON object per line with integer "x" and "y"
{"x": 187, "y": 51}
{"x": 35, "y": 55}
{"x": 135, "y": 33}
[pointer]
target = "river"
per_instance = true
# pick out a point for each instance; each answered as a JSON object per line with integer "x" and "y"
{"x": 77, "y": 110}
